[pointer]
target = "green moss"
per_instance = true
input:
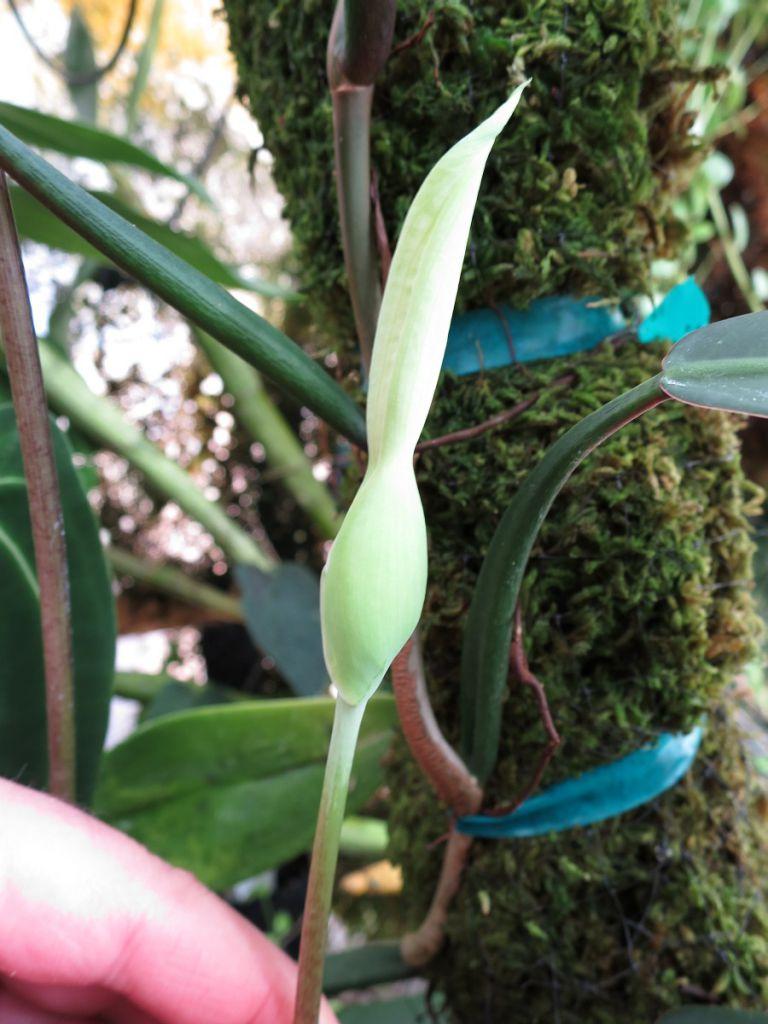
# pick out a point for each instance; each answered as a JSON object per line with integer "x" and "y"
{"x": 638, "y": 611}
{"x": 577, "y": 192}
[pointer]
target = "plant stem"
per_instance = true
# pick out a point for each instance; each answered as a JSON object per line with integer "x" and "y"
{"x": 488, "y": 633}
{"x": 143, "y": 65}
{"x": 45, "y": 511}
{"x": 174, "y": 581}
{"x": 358, "y": 47}
{"x": 325, "y": 851}
{"x": 732, "y": 255}
{"x": 351, "y": 146}
{"x": 266, "y": 424}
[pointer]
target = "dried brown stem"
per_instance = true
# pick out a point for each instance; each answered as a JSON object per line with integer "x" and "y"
{"x": 26, "y": 379}
{"x": 470, "y": 433}
{"x": 445, "y": 770}
{"x": 519, "y": 665}
{"x": 416, "y": 38}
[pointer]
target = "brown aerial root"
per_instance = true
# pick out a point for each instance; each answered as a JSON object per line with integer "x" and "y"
{"x": 419, "y": 947}
{"x": 445, "y": 770}
{"x": 453, "y": 783}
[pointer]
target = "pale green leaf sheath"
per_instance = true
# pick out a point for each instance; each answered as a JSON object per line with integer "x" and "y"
{"x": 374, "y": 583}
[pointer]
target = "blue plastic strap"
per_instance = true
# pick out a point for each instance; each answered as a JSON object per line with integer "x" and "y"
{"x": 486, "y": 339}
{"x": 601, "y": 793}
{"x": 684, "y": 309}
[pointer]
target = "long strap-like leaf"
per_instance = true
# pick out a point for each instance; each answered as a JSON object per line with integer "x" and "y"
{"x": 184, "y": 288}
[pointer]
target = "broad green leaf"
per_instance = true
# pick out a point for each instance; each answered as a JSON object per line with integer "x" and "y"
{"x": 194, "y": 295}
{"x": 722, "y": 366}
{"x": 363, "y": 966}
{"x": 23, "y": 744}
{"x": 36, "y": 223}
{"x": 406, "y": 1010}
{"x": 176, "y": 696}
{"x": 78, "y": 138}
{"x": 282, "y": 615}
{"x": 375, "y": 579}
{"x": 712, "y": 1015}
{"x": 229, "y": 791}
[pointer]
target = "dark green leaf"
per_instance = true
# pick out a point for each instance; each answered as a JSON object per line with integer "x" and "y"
{"x": 488, "y": 632}
{"x": 36, "y": 223}
{"x": 23, "y": 745}
{"x": 77, "y": 138}
{"x": 408, "y": 1010}
{"x": 193, "y": 294}
{"x": 282, "y": 615}
{"x": 712, "y": 1015}
{"x": 227, "y": 792}
{"x": 375, "y": 964}
{"x": 176, "y": 696}
{"x": 722, "y": 366}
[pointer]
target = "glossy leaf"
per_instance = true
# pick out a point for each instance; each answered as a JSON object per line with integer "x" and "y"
{"x": 194, "y": 295}
{"x": 78, "y": 138}
{"x": 227, "y": 792}
{"x": 712, "y": 1015}
{"x": 176, "y": 696}
{"x": 363, "y": 966}
{"x": 406, "y": 1010}
{"x": 374, "y": 582}
{"x": 282, "y": 615}
{"x": 722, "y": 366}
{"x": 488, "y": 631}
{"x": 23, "y": 742}
{"x": 36, "y": 223}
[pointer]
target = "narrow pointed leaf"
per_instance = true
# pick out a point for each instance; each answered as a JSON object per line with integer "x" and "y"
{"x": 722, "y": 366}
{"x": 193, "y": 294}
{"x": 374, "y": 583}
{"x": 38, "y": 224}
{"x": 229, "y": 791}
{"x": 488, "y": 632}
{"x": 23, "y": 740}
{"x": 78, "y": 138}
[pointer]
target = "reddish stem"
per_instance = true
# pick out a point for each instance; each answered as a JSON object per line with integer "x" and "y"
{"x": 26, "y": 379}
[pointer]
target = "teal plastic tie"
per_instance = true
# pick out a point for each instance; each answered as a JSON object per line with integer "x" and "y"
{"x": 599, "y": 794}
{"x": 682, "y": 310}
{"x": 487, "y": 339}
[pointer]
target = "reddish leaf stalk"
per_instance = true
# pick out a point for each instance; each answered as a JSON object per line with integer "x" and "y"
{"x": 26, "y": 379}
